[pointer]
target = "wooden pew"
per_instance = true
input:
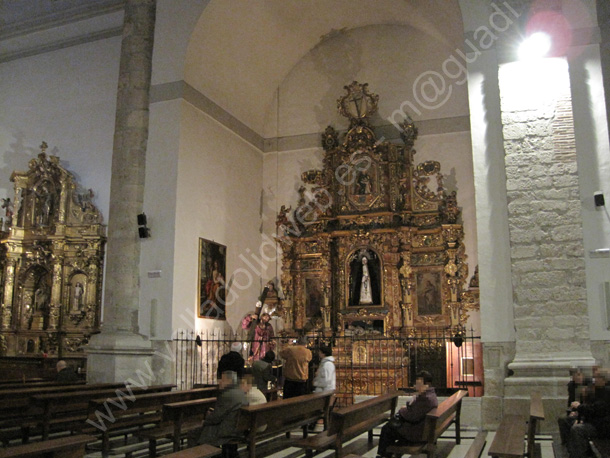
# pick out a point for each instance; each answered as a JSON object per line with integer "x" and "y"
{"x": 38, "y": 384}
{"x": 351, "y": 421}
{"x": 282, "y": 416}
{"x": 600, "y": 447}
{"x": 145, "y": 410}
{"x": 64, "y": 410}
{"x": 511, "y": 434}
{"x": 436, "y": 423}
{"x": 64, "y": 447}
{"x": 16, "y": 409}
{"x": 477, "y": 446}
{"x": 200, "y": 451}
{"x": 179, "y": 418}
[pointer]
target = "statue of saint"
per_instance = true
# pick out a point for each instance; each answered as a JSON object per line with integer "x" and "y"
{"x": 365, "y": 279}
{"x": 77, "y": 303}
{"x": 366, "y": 295}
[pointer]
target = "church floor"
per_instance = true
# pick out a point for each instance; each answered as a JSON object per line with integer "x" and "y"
{"x": 280, "y": 448}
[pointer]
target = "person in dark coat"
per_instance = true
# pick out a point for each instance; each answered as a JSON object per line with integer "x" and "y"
{"x": 219, "y": 426}
{"x": 65, "y": 374}
{"x": 409, "y": 423}
{"x": 593, "y": 418}
{"x": 262, "y": 371}
{"x": 232, "y": 361}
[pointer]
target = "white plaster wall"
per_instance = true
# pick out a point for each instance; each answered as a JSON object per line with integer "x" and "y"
{"x": 175, "y": 21}
{"x": 68, "y": 99}
{"x": 392, "y": 57}
{"x": 493, "y": 248}
{"x": 593, "y": 157}
{"x": 218, "y": 198}
{"x": 157, "y": 252}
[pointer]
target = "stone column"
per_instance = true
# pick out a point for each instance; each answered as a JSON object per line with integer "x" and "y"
{"x": 119, "y": 351}
{"x": 546, "y": 237}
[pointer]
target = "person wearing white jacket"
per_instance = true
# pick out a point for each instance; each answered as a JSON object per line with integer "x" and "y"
{"x": 325, "y": 379}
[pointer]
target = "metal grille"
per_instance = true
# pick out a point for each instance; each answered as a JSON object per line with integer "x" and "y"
{"x": 366, "y": 365}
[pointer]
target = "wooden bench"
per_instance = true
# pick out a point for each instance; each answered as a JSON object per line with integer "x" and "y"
{"x": 351, "y": 421}
{"x": 477, "y": 446}
{"x": 63, "y": 410}
{"x": 200, "y": 451}
{"x": 17, "y": 411}
{"x": 64, "y": 447}
{"x": 437, "y": 421}
{"x": 117, "y": 415}
{"x": 282, "y": 416}
{"x": 600, "y": 447}
{"x": 510, "y": 436}
{"x": 179, "y": 419}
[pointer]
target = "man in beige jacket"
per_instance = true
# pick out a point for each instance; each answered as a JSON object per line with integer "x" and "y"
{"x": 296, "y": 368}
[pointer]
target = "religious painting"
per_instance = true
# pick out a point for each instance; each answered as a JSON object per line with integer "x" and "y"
{"x": 212, "y": 273}
{"x": 364, "y": 278}
{"x": 362, "y": 181}
{"x": 314, "y": 297}
{"x": 429, "y": 298}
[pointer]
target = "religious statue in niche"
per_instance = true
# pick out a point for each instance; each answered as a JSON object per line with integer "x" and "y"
{"x": 44, "y": 204}
{"x": 364, "y": 278}
{"x": 429, "y": 294}
{"x": 77, "y": 299}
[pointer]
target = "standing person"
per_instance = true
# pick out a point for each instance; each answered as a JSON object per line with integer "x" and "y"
{"x": 325, "y": 379}
{"x": 220, "y": 425}
{"x": 232, "y": 361}
{"x": 263, "y": 337}
{"x": 65, "y": 374}
{"x": 262, "y": 370}
{"x": 296, "y": 368}
{"x": 410, "y": 422}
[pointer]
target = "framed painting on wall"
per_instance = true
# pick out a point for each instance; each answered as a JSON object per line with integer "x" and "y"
{"x": 211, "y": 301}
{"x": 429, "y": 294}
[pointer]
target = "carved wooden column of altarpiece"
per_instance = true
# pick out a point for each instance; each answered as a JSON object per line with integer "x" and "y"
{"x": 370, "y": 200}
{"x": 51, "y": 254}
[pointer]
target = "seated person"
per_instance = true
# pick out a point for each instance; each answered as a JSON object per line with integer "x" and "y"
{"x": 262, "y": 370}
{"x": 408, "y": 426}
{"x": 576, "y": 386}
{"x": 593, "y": 417}
{"x": 231, "y": 361}
{"x": 219, "y": 426}
{"x": 65, "y": 374}
{"x": 253, "y": 395}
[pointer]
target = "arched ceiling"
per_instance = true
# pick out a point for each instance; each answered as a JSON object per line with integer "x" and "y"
{"x": 241, "y": 51}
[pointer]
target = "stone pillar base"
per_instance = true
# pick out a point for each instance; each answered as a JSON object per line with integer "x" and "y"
{"x": 120, "y": 357}
{"x": 548, "y": 376}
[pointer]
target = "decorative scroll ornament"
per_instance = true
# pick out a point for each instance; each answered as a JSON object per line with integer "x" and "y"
{"x": 358, "y": 104}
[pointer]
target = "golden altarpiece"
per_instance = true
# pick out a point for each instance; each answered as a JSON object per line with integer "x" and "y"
{"x": 52, "y": 263}
{"x": 375, "y": 245}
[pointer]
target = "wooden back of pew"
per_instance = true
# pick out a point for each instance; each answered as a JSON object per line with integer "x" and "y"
{"x": 64, "y": 447}
{"x": 67, "y": 408}
{"x": 508, "y": 441}
{"x": 436, "y": 423}
{"x": 38, "y": 384}
{"x": 111, "y": 414}
{"x": 351, "y": 421}
{"x": 282, "y": 415}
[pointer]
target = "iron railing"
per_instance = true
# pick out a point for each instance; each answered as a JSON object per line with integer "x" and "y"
{"x": 366, "y": 365}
